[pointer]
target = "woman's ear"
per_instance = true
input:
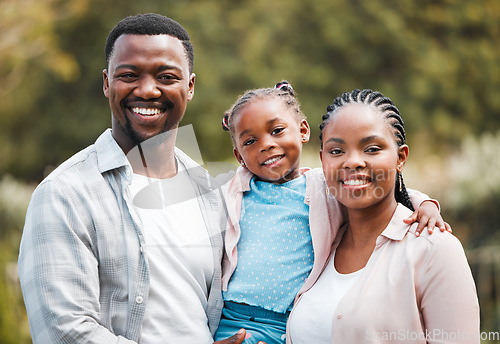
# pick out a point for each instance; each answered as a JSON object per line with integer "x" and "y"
{"x": 402, "y": 157}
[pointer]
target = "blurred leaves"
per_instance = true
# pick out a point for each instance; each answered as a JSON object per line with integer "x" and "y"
{"x": 438, "y": 60}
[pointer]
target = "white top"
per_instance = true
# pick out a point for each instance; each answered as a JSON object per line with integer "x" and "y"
{"x": 176, "y": 244}
{"x": 320, "y": 301}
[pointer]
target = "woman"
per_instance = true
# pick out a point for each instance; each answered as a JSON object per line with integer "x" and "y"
{"x": 382, "y": 284}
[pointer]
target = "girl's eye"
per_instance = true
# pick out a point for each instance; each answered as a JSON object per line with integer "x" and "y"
{"x": 248, "y": 142}
{"x": 277, "y": 131}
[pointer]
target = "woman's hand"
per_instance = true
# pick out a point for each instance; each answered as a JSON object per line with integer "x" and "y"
{"x": 427, "y": 215}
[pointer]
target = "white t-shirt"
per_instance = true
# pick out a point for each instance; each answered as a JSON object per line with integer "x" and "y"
{"x": 180, "y": 260}
{"x": 311, "y": 320}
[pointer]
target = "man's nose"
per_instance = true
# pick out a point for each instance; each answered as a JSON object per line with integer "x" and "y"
{"x": 147, "y": 88}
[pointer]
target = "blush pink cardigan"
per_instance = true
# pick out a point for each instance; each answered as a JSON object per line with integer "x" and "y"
{"x": 412, "y": 290}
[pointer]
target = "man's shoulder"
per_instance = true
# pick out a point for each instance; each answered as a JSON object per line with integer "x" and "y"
{"x": 85, "y": 159}
{"x": 83, "y": 165}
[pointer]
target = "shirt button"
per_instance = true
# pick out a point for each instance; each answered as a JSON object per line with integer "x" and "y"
{"x": 339, "y": 316}
{"x": 139, "y": 299}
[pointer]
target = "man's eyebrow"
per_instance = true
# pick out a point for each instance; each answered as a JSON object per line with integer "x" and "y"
{"x": 160, "y": 68}
{"x": 167, "y": 67}
{"x": 126, "y": 66}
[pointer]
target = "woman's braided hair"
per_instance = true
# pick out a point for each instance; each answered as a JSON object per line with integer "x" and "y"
{"x": 385, "y": 107}
{"x": 281, "y": 91}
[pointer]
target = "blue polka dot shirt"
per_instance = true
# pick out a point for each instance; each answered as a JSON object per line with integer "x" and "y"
{"x": 275, "y": 252}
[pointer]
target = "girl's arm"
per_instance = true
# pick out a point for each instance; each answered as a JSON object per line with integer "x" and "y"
{"x": 426, "y": 213}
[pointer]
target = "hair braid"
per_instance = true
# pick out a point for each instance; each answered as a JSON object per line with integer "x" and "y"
{"x": 386, "y": 108}
{"x": 281, "y": 91}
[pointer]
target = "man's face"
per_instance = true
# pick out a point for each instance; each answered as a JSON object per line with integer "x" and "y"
{"x": 148, "y": 85}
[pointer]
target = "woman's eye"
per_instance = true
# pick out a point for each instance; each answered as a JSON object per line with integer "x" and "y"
{"x": 373, "y": 149}
{"x": 335, "y": 151}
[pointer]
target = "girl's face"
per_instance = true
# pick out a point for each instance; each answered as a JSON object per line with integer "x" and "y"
{"x": 268, "y": 140}
{"x": 360, "y": 157}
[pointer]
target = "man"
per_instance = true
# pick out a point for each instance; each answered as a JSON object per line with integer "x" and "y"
{"x": 97, "y": 267}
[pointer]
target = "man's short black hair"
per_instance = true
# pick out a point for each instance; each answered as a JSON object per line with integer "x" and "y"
{"x": 149, "y": 24}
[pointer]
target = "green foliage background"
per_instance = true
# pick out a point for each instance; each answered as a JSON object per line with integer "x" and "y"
{"x": 439, "y": 60}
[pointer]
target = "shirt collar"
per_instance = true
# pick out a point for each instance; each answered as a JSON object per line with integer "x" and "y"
{"x": 109, "y": 154}
{"x": 397, "y": 229}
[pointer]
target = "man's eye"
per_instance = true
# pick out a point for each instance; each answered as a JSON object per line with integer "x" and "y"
{"x": 167, "y": 77}
{"x": 126, "y": 76}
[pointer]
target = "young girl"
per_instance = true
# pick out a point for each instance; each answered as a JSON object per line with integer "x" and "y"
{"x": 281, "y": 226}
{"x": 382, "y": 284}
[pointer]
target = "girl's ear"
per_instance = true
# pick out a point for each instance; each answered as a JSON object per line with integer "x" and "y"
{"x": 305, "y": 131}
{"x": 238, "y": 157}
{"x": 402, "y": 157}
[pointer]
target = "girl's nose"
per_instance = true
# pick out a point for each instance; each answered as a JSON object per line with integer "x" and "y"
{"x": 267, "y": 143}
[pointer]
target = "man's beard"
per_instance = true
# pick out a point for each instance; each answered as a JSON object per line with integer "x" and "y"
{"x": 138, "y": 138}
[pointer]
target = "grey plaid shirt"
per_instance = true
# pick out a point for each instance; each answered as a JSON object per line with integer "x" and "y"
{"x": 82, "y": 271}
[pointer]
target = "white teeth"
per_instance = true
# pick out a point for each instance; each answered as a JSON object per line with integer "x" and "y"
{"x": 355, "y": 182}
{"x": 146, "y": 111}
{"x": 268, "y": 162}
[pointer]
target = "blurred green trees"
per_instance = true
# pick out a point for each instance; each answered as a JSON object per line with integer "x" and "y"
{"x": 439, "y": 60}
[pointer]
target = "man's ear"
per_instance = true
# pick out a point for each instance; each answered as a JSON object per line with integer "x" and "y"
{"x": 105, "y": 82}
{"x": 192, "y": 79}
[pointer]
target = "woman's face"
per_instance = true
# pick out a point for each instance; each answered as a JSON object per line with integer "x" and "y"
{"x": 360, "y": 157}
